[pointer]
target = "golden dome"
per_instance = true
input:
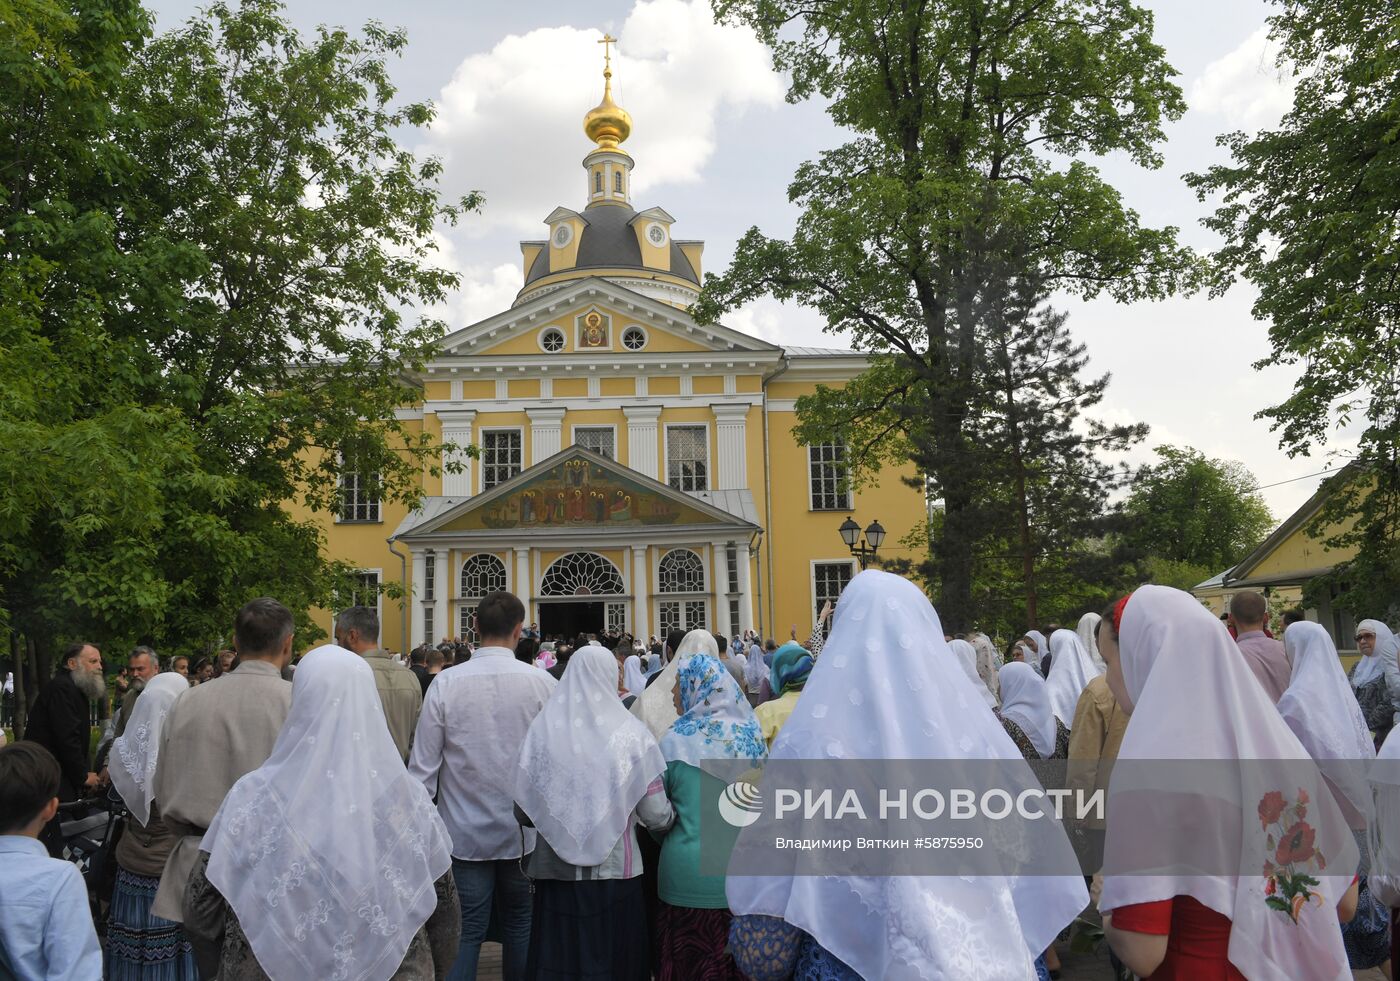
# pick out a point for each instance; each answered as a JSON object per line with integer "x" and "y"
{"x": 607, "y": 124}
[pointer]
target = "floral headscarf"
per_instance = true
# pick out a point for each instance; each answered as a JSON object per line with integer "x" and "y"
{"x": 716, "y": 721}
{"x": 792, "y": 663}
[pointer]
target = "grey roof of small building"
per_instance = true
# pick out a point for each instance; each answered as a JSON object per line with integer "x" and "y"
{"x": 432, "y": 508}
{"x": 738, "y": 502}
{"x": 820, "y": 352}
{"x": 608, "y": 242}
{"x": 1216, "y": 580}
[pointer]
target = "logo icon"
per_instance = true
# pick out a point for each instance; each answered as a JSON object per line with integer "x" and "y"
{"x": 741, "y": 804}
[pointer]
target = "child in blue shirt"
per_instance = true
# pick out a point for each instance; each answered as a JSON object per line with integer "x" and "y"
{"x": 46, "y": 929}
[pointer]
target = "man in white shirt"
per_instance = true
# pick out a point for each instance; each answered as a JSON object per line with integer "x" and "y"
{"x": 465, "y": 751}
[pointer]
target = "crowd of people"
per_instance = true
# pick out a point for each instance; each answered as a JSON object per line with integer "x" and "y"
{"x": 364, "y": 815}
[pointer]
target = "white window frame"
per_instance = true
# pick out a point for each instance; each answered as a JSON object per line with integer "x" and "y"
{"x": 539, "y": 338}
{"x": 705, "y": 576}
{"x": 573, "y": 434}
{"x": 378, "y": 596}
{"x": 646, "y": 338}
{"x": 812, "y": 582}
{"x": 811, "y": 490}
{"x": 666, "y": 452}
{"x": 481, "y": 461}
{"x": 340, "y": 519}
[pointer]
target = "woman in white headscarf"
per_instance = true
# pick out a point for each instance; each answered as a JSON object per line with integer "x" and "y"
{"x": 1376, "y": 677}
{"x": 329, "y": 860}
{"x": 1026, "y": 714}
{"x": 1070, "y": 672}
{"x": 989, "y": 662}
{"x": 589, "y": 773}
{"x": 632, "y": 678}
{"x": 1236, "y": 839}
{"x": 967, "y": 660}
{"x": 1036, "y": 651}
{"x": 139, "y": 943}
{"x": 1088, "y": 633}
{"x": 657, "y": 707}
{"x": 887, "y": 688}
{"x": 1384, "y": 880}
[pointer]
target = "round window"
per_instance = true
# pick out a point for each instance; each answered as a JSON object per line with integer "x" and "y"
{"x": 634, "y": 338}
{"x": 656, "y": 233}
{"x": 563, "y": 235}
{"x": 552, "y": 339}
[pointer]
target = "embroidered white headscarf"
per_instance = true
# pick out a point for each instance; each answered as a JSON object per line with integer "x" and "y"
{"x": 1026, "y": 701}
{"x": 1321, "y": 709}
{"x": 133, "y": 756}
{"x": 1088, "y": 633}
{"x": 1070, "y": 671}
{"x": 328, "y": 852}
{"x": 585, "y": 762}
{"x": 989, "y": 662}
{"x": 887, "y": 687}
{"x": 1382, "y": 655}
{"x": 657, "y": 707}
{"x": 967, "y": 660}
{"x": 1193, "y": 698}
{"x": 754, "y": 669}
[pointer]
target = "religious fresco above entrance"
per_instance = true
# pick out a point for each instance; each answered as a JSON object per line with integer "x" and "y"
{"x": 579, "y": 492}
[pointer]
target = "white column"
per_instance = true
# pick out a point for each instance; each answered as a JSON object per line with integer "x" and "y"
{"x": 745, "y": 589}
{"x": 413, "y": 606}
{"x": 457, "y": 428}
{"x": 546, "y": 433}
{"x": 641, "y": 586}
{"x": 442, "y": 592}
{"x": 642, "y": 453}
{"x": 522, "y": 580}
{"x": 719, "y": 580}
{"x": 730, "y": 427}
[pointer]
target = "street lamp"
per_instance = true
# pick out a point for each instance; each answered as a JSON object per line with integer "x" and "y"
{"x": 865, "y": 550}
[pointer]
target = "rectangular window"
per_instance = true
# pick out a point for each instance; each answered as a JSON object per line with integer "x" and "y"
{"x": 695, "y": 615}
{"x": 670, "y": 617}
{"x": 828, "y": 580}
{"x": 428, "y": 637}
{"x": 365, "y": 592}
{"x": 827, "y": 463}
{"x": 429, "y": 577}
{"x": 358, "y": 499}
{"x": 734, "y": 624}
{"x": 501, "y": 455}
{"x": 467, "y": 624}
{"x": 617, "y": 181}
{"x": 688, "y": 458}
{"x": 731, "y": 558}
{"x": 599, "y": 439}
{"x": 616, "y": 617}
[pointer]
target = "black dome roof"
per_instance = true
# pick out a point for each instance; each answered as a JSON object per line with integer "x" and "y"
{"x": 608, "y": 242}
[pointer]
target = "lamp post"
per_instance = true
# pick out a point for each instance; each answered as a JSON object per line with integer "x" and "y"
{"x": 864, "y": 551}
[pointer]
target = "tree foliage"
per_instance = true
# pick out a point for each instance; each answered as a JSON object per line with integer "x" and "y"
{"x": 1187, "y": 508}
{"x": 211, "y": 238}
{"x": 962, "y": 116}
{"x": 1307, "y": 210}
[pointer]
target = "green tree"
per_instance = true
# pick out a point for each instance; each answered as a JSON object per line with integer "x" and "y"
{"x": 1194, "y": 516}
{"x": 962, "y": 116}
{"x": 1308, "y": 215}
{"x": 210, "y": 273}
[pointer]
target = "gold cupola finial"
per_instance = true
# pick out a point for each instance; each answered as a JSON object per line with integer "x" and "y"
{"x": 607, "y": 124}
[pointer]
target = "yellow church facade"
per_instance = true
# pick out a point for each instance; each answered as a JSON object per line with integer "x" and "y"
{"x": 634, "y": 470}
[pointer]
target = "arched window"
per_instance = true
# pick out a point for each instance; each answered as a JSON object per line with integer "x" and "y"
{"x": 597, "y": 182}
{"x": 617, "y": 181}
{"x": 581, "y": 574}
{"x": 682, "y": 572}
{"x": 481, "y": 574}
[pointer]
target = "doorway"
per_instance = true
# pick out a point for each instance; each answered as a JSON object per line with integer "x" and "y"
{"x": 569, "y": 618}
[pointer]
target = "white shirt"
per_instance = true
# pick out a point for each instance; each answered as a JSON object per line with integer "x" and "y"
{"x": 467, "y": 747}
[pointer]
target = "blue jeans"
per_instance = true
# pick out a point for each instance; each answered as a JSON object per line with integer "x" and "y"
{"x": 480, "y": 887}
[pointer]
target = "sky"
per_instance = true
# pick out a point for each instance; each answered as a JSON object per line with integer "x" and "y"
{"x": 716, "y": 144}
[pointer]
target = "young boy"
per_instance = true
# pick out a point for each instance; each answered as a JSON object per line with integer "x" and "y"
{"x": 45, "y": 923}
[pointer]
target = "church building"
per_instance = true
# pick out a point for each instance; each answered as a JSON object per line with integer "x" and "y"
{"x": 636, "y": 470}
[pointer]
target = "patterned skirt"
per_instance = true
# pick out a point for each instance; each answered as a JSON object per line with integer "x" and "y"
{"x": 140, "y": 945}
{"x": 694, "y": 945}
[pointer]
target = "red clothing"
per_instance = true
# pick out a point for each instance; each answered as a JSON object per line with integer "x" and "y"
{"x": 1198, "y": 939}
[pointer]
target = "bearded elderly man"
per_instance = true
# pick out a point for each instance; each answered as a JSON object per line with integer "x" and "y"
{"x": 400, "y": 691}
{"x": 59, "y": 722}
{"x": 141, "y": 666}
{"x": 216, "y": 733}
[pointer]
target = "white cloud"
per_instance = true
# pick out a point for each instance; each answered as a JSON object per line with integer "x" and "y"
{"x": 510, "y": 121}
{"x": 1247, "y": 86}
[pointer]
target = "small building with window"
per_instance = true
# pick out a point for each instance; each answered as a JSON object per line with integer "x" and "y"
{"x": 634, "y": 470}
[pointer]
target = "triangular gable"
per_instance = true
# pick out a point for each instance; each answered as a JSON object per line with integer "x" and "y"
{"x": 579, "y": 489}
{"x": 538, "y": 311}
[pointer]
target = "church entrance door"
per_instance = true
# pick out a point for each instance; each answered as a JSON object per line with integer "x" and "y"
{"x": 568, "y": 618}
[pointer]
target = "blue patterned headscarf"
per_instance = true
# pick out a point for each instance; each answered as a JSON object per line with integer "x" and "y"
{"x": 792, "y": 663}
{"x": 716, "y": 721}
